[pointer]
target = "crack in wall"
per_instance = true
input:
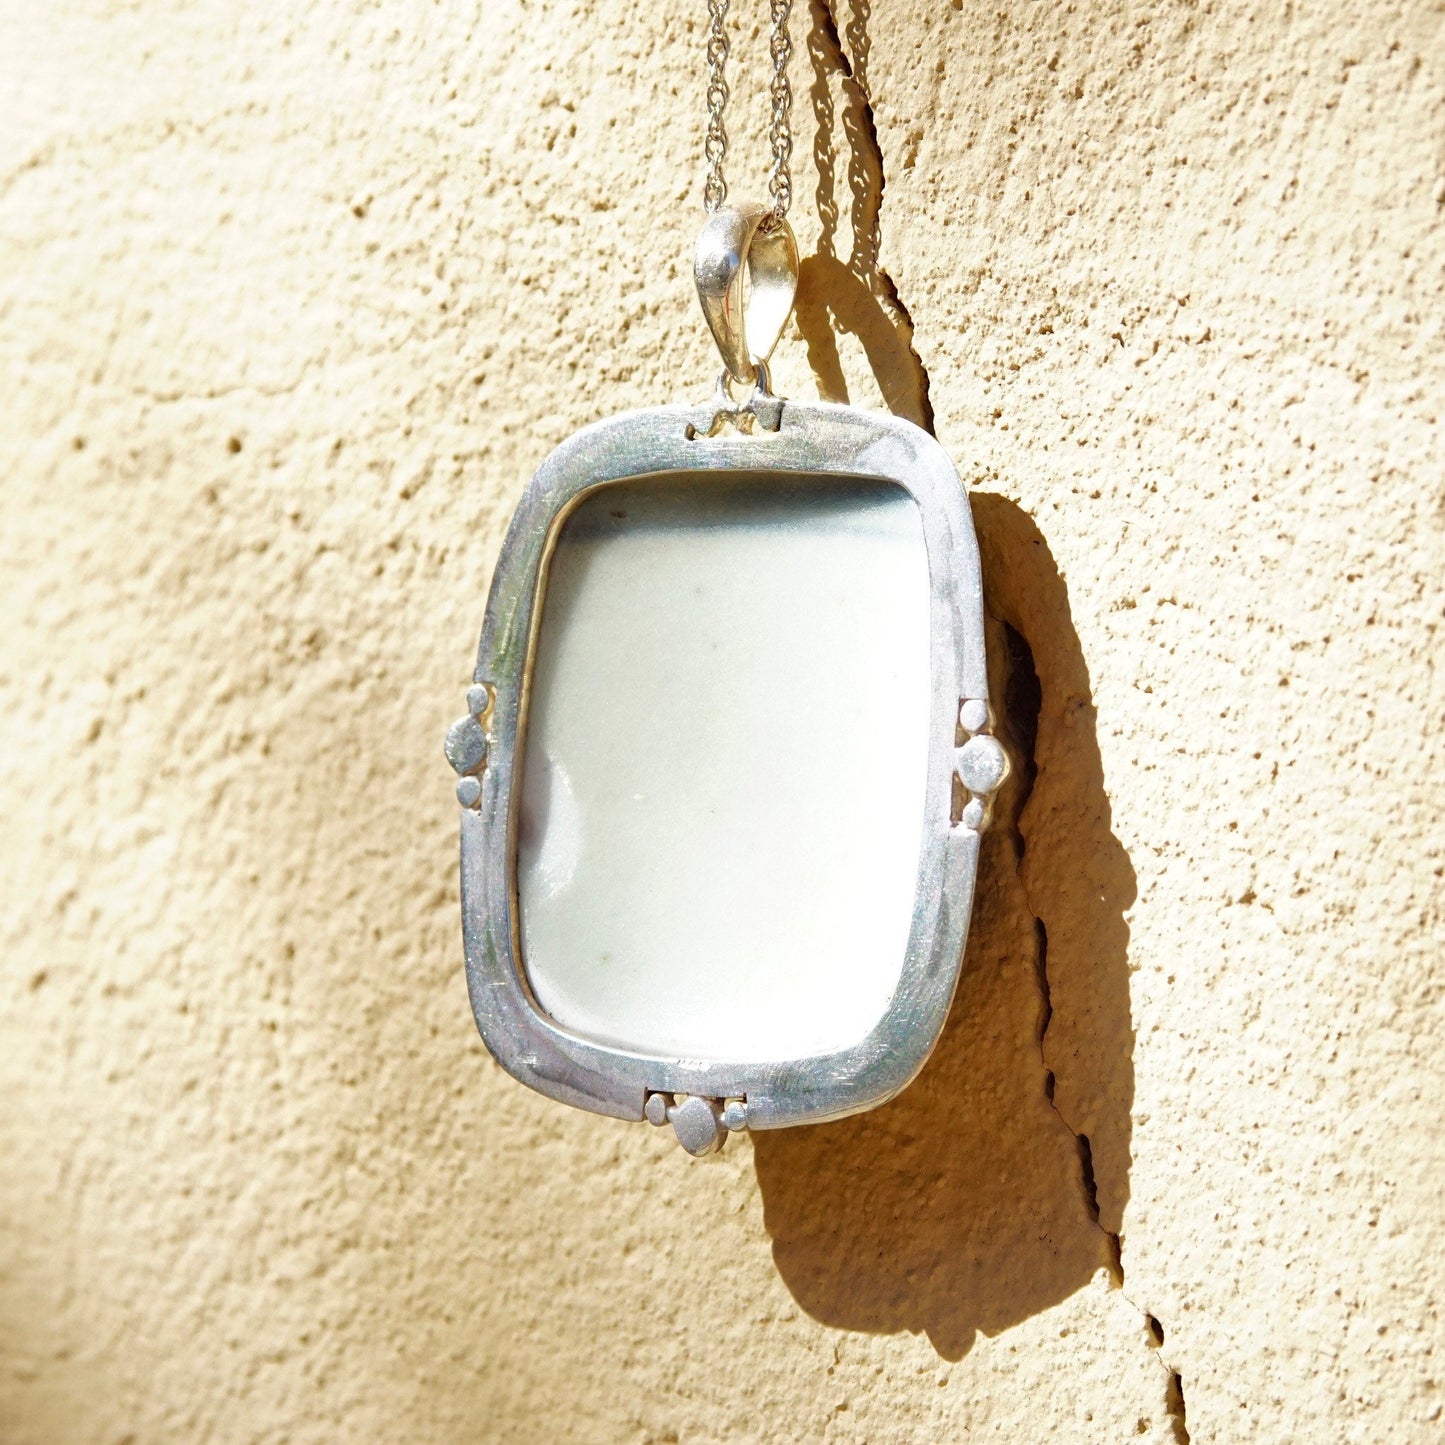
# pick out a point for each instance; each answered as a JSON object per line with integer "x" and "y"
{"x": 1174, "y": 1389}
{"x": 1174, "y": 1403}
{"x": 1022, "y": 705}
{"x": 849, "y": 54}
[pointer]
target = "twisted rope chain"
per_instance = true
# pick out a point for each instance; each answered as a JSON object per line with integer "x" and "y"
{"x": 780, "y": 131}
{"x": 715, "y": 144}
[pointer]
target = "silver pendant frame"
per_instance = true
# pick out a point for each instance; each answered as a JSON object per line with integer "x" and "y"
{"x": 965, "y": 764}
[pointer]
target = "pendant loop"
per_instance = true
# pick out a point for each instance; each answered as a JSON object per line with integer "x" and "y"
{"x": 746, "y": 269}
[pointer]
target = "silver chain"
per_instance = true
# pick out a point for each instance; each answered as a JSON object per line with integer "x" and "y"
{"x": 715, "y": 144}
{"x": 780, "y": 130}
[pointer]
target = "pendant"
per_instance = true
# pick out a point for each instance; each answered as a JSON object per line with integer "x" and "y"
{"x": 728, "y": 750}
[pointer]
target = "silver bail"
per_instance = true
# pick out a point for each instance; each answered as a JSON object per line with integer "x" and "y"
{"x": 746, "y": 269}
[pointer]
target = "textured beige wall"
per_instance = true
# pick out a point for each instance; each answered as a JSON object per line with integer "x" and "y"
{"x": 294, "y": 297}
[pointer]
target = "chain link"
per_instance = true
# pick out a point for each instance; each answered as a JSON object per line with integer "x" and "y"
{"x": 780, "y": 130}
{"x": 715, "y": 145}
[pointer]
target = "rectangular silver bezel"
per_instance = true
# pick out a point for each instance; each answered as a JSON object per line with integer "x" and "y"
{"x": 812, "y": 438}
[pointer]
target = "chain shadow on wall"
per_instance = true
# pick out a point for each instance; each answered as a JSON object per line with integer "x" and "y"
{"x": 994, "y": 1187}
{"x": 852, "y": 295}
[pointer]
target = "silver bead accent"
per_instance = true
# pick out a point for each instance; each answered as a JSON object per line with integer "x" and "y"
{"x": 973, "y": 814}
{"x": 466, "y": 745}
{"x": 982, "y": 764}
{"x": 735, "y": 1115}
{"x": 479, "y": 699}
{"x": 973, "y": 714}
{"x": 469, "y": 791}
{"x": 697, "y": 1124}
{"x": 655, "y": 1109}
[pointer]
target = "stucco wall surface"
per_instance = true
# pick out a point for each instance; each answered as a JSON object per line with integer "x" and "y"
{"x": 293, "y": 299}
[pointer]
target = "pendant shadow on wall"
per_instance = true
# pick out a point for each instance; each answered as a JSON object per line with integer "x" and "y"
{"x": 994, "y": 1187}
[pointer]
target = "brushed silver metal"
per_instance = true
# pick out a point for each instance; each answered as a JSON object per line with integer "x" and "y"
{"x": 810, "y": 438}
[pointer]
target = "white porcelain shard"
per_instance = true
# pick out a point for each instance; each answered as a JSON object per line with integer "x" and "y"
{"x": 724, "y": 764}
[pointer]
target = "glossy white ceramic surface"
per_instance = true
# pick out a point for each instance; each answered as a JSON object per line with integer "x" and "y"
{"x": 725, "y": 762}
